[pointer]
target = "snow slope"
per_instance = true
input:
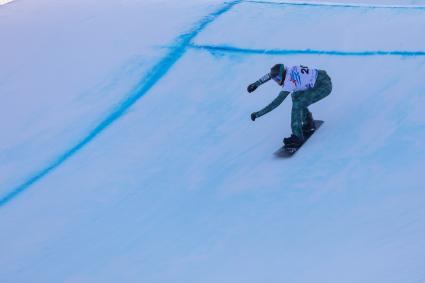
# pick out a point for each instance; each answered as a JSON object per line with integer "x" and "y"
{"x": 128, "y": 155}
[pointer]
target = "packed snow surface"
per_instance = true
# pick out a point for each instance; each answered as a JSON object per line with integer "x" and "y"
{"x": 127, "y": 153}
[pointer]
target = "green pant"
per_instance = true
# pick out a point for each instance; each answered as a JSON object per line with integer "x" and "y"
{"x": 302, "y": 99}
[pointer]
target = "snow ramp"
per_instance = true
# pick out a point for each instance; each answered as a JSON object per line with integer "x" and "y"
{"x": 172, "y": 181}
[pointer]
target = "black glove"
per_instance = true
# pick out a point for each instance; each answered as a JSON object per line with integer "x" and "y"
{"x": 251, "y": 87}
{"x": 253, "y": 116}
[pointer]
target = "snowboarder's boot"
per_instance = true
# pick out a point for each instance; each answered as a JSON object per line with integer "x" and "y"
{"x": 309, "y": 127}
{"x": 292, "y": 141}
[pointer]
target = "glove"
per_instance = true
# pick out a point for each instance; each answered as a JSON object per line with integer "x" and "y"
{"x": 251, "y": 87}
{"x": 253, "y": 116}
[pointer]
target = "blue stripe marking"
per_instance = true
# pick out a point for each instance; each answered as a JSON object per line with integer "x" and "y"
{"x": 338, "y": 5}
{"x": 247, "y": 51}
{"x": 152, "y": 77}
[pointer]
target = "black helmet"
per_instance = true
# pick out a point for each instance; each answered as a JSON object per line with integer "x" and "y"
{"x": 276, "y": 72}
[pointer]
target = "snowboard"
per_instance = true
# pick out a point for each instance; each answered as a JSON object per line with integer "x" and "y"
{"x": 288, "y": 151}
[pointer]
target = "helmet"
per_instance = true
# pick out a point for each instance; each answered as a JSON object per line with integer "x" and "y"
{"x": 277, "y": 73}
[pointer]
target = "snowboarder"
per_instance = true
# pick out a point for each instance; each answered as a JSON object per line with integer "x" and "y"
{"x": 306, "y": 87}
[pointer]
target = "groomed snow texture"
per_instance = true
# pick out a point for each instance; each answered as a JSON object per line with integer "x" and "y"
{"x": 127, "y": 153}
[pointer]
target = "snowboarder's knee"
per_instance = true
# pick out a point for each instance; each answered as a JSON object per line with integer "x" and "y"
{"x": 298, "y": 102}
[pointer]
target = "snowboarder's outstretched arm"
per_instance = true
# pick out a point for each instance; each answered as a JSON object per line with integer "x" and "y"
{"x": 262, "y": 80}
{"x": 275, "y": 103}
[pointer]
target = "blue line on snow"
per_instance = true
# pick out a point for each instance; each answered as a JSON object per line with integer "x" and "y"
{"x": 338, "y": 5}
{"x": 247, "y": 51}
{"x": 153, "y": 76}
